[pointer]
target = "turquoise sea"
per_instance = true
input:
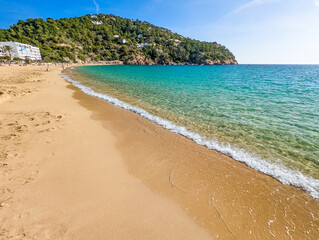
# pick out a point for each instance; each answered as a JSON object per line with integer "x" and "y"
{"x": 265, "y": 116}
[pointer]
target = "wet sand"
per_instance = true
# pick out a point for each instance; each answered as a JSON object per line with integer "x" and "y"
{"x": 77, "y": 167}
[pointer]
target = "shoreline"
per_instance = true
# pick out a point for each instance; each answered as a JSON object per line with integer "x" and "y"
{"x": 278, "y": 172}
{"x": 124, "y": 176}
{"x": 267, "y": 183}
{"x": 61, "y": 180}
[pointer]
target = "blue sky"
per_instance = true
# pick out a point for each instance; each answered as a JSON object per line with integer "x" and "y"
{"x": 256, "y": 31}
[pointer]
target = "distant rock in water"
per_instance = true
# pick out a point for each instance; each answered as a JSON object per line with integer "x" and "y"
{"x": 111, "y": 38}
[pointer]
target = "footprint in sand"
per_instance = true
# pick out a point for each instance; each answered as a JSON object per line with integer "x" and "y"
{"x": 3, "y": 155}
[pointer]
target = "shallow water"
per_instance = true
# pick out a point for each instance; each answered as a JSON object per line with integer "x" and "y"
{"x": 265, "y": 116}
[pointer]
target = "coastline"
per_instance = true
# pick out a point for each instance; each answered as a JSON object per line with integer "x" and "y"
{"x": 62, "y": 176}
{"x": 185, "y": 189}
{"x": 278, "y": 171}
{"x": 232, "y": 181}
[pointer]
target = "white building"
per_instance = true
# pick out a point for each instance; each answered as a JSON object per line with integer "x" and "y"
{"x": 97, "y": 22}
{"x": 115, "y": 36}
{"x": 141, "y": 45}
{"x": 21, "y": 50}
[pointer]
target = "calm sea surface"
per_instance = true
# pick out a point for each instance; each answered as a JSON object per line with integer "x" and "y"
{"x": 266, "y": 116}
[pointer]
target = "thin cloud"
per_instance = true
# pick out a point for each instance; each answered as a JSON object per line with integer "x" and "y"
{"x": 255, "y": 3}
{"x": 316, "y": 2}
{"x": 97, "y": 7}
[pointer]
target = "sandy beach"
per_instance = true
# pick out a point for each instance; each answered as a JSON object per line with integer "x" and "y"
{"x": 76, "y": 167}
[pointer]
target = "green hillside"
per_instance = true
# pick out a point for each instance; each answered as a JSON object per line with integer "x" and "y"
{"x": 108, "y": 37}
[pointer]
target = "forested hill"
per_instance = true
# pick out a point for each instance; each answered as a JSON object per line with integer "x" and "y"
{"x": 108, "y": 37}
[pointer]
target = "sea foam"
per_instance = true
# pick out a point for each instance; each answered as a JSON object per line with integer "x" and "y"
{"x": 278, "y": 171}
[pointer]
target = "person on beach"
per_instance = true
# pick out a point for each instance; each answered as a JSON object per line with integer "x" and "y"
{"x": 48, "y": 68}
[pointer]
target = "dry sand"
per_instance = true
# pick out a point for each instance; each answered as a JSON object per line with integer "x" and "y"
{"x": 75, "y": 167}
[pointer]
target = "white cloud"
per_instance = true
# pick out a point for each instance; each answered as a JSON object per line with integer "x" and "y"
{"x": 97, "y": 7}
{"x": 316, "y": 2}
{"x": 254, "y": 3}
